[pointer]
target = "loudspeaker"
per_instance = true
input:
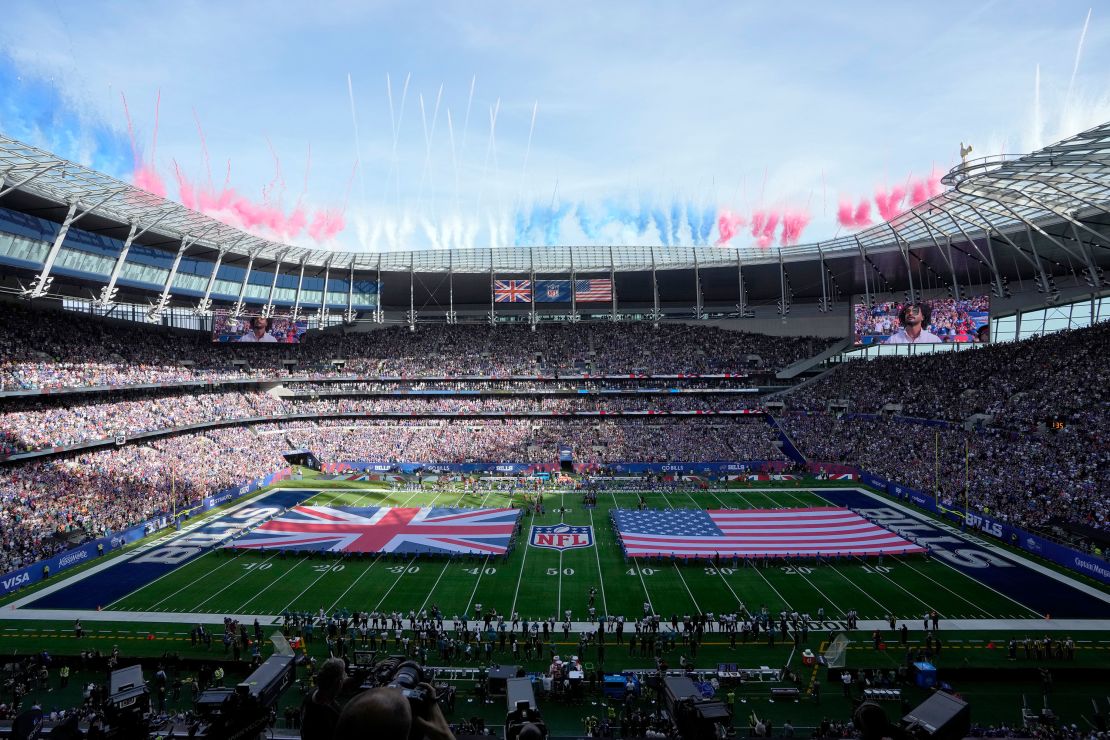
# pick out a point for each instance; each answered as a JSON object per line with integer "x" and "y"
{"x": 940, "y": 717}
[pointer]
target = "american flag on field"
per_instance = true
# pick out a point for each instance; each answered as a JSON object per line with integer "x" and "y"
{"x": 593, "y": 291}
{"x": 512, "y": 291}
{"x": 827, "y": 530}
{"x": 385, "y": 529}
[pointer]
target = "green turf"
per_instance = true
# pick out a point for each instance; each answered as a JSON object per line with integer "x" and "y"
{"x": 542, "y": 583}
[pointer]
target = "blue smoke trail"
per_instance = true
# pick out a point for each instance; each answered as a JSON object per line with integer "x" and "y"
{"x": 34, "y": 111}
{"x": 520, "y": 228}
{"x": 586, "y": 221}
{"x": 660, "y": 219}
{"x": 554, "y": 224}
{"x": 643, "y": 218}
{"x": 676, "y": 221}
{"x": 709, "y": 215}
{"x": 693, "y": 219}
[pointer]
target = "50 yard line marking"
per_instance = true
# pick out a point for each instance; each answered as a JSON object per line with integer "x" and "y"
{"x": 600, "y": 574}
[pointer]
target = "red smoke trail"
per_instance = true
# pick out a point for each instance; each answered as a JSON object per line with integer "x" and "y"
{"x": 851, "y": 219}
{"x": 927, "y": 187}
{"x": 793, "y": 223}
{"x": 728, "y": 224}
{"x": 763, "y": 227}
{"x": 145, "y": 175}
{"x": 890, "y": 202}
{"x": 203, "y": 148}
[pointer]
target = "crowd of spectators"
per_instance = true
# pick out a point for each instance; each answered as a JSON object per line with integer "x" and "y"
{"x": 1022, "y": 479}
{"x": 1059, "y": 376}
{"x": 46, "y": 506}
{"x": 56, "y": 349}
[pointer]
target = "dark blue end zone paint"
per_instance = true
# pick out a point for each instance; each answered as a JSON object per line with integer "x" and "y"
{"x": 1037, "y": 591}
{"x": 137, "y": 571}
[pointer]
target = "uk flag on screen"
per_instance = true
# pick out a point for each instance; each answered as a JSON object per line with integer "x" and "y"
{"x": 512, "y": 291}
{"x": 385, "y": 529}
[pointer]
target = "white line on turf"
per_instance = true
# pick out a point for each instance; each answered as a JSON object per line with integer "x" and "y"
{"x": 925, "y": 575}
{"x": 597, "y": 554}
{"x": 399, "y": 577}
{"x": 153, "y": 606}
{"x": 636, "y": 564}
{"x": 230, "y": 584}
{"x": 355, "y": 582}
{"x": 519, "y": 578}
{"x": 478, "y": 580}
{"x": 688, "y": 591}
{"x": 433, "y": 588}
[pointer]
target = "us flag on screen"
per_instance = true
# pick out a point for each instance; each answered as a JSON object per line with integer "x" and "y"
{"x": 593, "y": 291}
{"x": 825, "y": 530}
{"x": 385, "y": 529}
{"x": 512, "y": 291}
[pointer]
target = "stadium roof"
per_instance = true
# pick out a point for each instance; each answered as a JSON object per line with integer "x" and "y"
{"x": 1004, "y": 218}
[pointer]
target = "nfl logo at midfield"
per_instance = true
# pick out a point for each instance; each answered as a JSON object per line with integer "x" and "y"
{"x": 562, "y": 537}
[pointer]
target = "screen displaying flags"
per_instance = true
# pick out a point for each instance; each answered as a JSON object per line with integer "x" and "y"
{"x": 827, "y": 530}
{"x": 552, "y": 291}
{"x": 385, "y": 529}
{"x": 512, "y": 291}
{"x": 593, "y": 291}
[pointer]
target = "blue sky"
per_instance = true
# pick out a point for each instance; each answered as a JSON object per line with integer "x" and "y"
{"x": 644, "y": 112}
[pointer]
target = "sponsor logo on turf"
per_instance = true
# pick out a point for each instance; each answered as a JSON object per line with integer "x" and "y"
{"x": 562, "y": 537}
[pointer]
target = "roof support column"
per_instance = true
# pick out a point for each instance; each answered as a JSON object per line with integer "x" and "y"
{"x": 998, "y": 283}
{"x": 156, "y": 310}
{"x": 492, "y": 294}
{"x": 742, "y": 310}
{"x": 41, "y": 284}
{"x": 240, "y": 304}
{"x": 411, "y": 315}
{"x": 268, "y": 309}
{"x": 863, "y": 266}
{"x": 296, "y": 315}
{"x": 698, "y": 315}
{"x": 452, "y": 319}
{"x": 108, "y": 292}
{"x": 784, "y": 300}
{"x": 573, "y": 300}
{"x": 532, "y": 283}
{"x": 613, "y": 285}
{"x": 379, "y": 312}
{"x": 823, "y": 306}
{"x": 655, "y": 312}
{"x": 322, "y": 313}
{"x": 946, "y": 254}
{"x": 349, "y": 317}
{"x": 903, "y": 249}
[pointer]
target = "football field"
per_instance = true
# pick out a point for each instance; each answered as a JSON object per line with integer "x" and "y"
{"x": 543, "y": 583}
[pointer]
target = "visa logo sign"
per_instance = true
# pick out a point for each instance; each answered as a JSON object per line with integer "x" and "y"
{"x": 16, "y": 581}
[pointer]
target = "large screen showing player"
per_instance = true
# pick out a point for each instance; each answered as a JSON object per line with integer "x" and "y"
{"x": 254, "y": 328}
{"x": 928, "y": 321}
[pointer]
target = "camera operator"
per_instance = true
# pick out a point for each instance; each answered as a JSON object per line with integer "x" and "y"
{"x": 386, "y": 712}
{"x": 320, "y": 710}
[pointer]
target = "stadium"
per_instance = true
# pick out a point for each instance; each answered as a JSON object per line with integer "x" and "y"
{"x": 707, "y": 487}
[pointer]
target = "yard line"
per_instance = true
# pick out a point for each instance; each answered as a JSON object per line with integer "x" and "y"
{"x": 230, "y": 584}
{"x": 954, "y": 593}
{"x": 473, "y": 593}
{"x": 884, "y": 575}
{"x": 729, "y": 587}
{"x": 327, "y": 569}
{"x": 604, "y": 603}
{"x": 245, "y": 574}
{"x": 433, "y": 588}
{"x": 637, "y": 565}
{"x": 522, "y": 561}
{"x": 354, "y": 582}
{"x": 229, "y": 561}
{"x": 401, "y": 575}
{"x": 562, "y": 519}
{"x": 814, "y": 585}
{"x": 286, "y": 574}
{"x": 788, "y": 604}
{"x": 885, "y": 610}
{"x": 688, "y": 591}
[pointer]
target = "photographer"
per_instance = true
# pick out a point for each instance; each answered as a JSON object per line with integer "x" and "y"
{"x": 320, "y": 710}
{"x": 387, "y": 712}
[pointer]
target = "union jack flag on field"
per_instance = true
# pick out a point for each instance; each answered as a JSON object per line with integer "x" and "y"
{"x": 593, "y": 291}
{"x": 512, "y": 291}
{"x": 385, "y": 529}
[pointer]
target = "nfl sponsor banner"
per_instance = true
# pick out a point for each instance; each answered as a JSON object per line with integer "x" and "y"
{"x": 818, "y": 530}
{"x": 552, "y": 291}
{"x": 376, "y": 529}
{"x": 561, "y": 537}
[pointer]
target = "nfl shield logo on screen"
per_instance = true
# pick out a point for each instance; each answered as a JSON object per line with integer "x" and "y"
{"x": 562, "y": 537}
{"x": 553, "y": 291}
